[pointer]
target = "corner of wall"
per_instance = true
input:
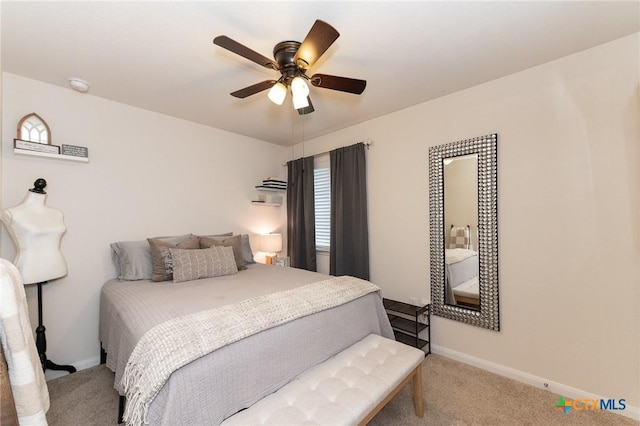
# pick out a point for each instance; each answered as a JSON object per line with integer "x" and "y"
{"x": 1, "y": 122}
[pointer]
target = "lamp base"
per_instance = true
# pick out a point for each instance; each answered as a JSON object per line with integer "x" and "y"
{"x": 270, "y": 260}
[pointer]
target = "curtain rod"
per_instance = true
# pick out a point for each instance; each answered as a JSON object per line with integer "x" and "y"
{"x": 367, "y": 143}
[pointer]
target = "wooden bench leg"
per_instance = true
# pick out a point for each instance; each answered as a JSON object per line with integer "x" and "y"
{"x": 417, "y": 391}
{"x": 416, "y": 377}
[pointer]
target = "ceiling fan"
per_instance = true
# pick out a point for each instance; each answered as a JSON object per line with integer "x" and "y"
{"x": 292, "y": 59}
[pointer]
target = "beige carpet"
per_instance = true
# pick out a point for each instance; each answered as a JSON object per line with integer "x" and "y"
{"x": 454, "y": 394}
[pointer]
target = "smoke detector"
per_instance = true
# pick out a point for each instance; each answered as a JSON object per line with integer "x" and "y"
{"x": 79, "y": 85}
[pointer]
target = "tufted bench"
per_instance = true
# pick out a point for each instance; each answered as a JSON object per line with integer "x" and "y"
{"x": 347, "y": 389}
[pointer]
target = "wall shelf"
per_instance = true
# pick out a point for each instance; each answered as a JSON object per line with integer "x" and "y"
{"x": 261, "y": 203}
{"x": 267, "y": 189}
{"x": 47, "y": 155}
{"x": 271, "y": 199}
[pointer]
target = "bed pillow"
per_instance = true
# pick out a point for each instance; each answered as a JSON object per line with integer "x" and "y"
{"x": 132, "y": 259}
{"x": 162, "y": 268}
{"x": 234, "y": 242}
{"x": 247, "y": 254}
{"x": 218, "y": 236}
{"x": 203, "y": 263}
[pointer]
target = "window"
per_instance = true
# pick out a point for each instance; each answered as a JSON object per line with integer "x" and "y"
{"x": 322, "y": 202}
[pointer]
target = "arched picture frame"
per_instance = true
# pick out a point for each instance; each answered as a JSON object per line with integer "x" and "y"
{"x": 33, "y": 128}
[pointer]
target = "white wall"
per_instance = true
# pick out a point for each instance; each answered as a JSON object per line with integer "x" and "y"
{"x": 568, "y": 135}
{"x": 148, "y": 175}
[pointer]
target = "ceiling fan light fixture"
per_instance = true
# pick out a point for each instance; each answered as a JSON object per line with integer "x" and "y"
{"x": 300, "y": 101}
{"x": 292, "y": 59}
{"x": 299, "y": 87}
{"x": 277, "y": 93}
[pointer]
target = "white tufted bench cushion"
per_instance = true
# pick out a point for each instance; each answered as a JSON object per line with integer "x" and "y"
{"x": 347, "y": 389}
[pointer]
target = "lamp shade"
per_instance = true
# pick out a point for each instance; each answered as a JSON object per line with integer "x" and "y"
{"x": 299, "y": 87}
{"x": 300, "y": 102}
{"x": 271, "y": 243}
{"x": 277, "y": 93}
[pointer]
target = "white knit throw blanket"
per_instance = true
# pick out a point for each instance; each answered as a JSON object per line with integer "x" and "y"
{"x": 28, "y": 384}
{"x": 179, "y": 341}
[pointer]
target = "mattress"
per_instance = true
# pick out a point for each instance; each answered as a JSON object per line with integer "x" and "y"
{"x": 235, "y": 376}
{"x": 461, "y": 265}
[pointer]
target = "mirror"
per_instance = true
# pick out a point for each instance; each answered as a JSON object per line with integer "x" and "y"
{"x": 463, "y": 219}
{"x": 461, "y": 224}
{"x": 33, "y": 128}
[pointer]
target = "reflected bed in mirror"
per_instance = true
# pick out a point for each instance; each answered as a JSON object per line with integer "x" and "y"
{"x": 461, "y": 241}
{"x": 464, "y": 231}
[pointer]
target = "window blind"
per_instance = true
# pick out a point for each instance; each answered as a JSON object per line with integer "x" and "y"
{"x": 322, "y": 202}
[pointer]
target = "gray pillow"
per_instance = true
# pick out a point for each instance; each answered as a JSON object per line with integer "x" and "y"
{"x": 235, "y": 242}
{"x": 202, "y": 263}
{"x": 218, "y": 236}
{"x": 247, "y": 254}
{"x": 132, "y": 259}
{"x": 162, "y": 271}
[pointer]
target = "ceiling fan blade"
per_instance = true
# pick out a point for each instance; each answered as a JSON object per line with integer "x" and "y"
{"x": 344, "y": 84}
{"x": 320, "y": 37}
{"x": 244, "y": 51}
{"x": 252, "y": 90}
{"x": 308, "y": 109}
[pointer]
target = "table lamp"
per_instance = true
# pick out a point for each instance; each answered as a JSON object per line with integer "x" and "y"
{"x": 271, "y": 244}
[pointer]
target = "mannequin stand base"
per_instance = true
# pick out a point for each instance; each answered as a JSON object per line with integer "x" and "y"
{"x": 41, "y": 341}
{"x": 49, "y": 365}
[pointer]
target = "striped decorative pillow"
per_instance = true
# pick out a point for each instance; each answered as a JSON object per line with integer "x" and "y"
{"x": 159, "y": 248}
{"x": 202, "y": 263}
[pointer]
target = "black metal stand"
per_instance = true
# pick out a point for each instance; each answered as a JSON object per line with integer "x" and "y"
{"x": 41, "y": 341}
{"x": 121, "y": 403}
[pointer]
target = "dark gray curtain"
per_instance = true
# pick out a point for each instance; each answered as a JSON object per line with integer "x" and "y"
{"x": 349, "y": 253}
{"x": 301, "y": 223}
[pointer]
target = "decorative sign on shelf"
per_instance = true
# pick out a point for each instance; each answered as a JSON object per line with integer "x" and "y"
{"x": 34, "y": 135}
{"x": 282, "y": 261}
{"x": 75, "y": 151}
{"x": 36, "y": 146}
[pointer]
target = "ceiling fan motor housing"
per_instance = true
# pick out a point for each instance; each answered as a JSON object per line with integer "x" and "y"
{"x": 284, "y": 54}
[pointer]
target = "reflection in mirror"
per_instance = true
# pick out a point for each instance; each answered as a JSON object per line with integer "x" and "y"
{"x": 463, "y": 221}
{"x": 462, "y": 286}
{"x": 33, "y": 128}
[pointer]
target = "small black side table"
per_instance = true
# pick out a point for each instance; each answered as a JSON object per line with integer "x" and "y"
{"x": 407, "y": 330}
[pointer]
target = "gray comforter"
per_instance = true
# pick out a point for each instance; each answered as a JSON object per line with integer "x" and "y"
{"x": 235, "y": 376}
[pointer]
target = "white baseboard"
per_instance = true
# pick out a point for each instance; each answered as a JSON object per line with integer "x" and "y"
{"x": 80, "y": 365}
{"x": 530, "y": 379}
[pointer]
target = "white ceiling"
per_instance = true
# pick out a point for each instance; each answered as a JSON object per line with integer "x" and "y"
{"x": 160, "y": 56}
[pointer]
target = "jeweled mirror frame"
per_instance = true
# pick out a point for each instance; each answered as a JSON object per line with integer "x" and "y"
{"x": 486, "y": 147}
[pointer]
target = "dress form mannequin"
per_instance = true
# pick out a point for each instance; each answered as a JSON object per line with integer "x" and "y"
{"x": 36, "y": 230}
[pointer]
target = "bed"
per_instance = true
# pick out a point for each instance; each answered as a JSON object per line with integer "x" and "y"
{"x": 217, "y": 385}
{"x": 461, "y": 277}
